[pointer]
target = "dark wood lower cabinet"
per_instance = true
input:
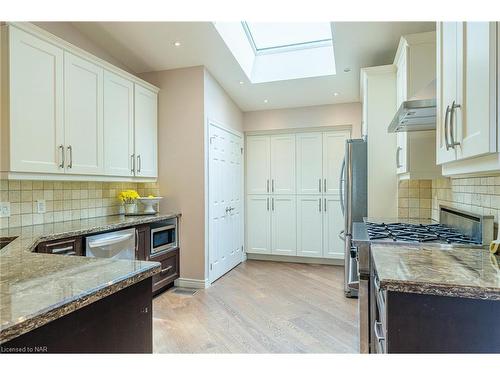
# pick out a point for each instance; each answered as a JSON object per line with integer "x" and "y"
{"x": 119, "y": 323}
{"x": 64, "y": 246}
{"x": 424, "y": 323}
{"x": 169, "y": 270}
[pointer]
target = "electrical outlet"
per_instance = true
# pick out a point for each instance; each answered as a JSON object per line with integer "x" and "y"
{"x": 4, "y": 209}
{"x": 41, "y": 207}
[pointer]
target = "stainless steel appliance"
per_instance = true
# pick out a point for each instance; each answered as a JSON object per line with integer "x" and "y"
{"x": 164, "y": 236}
{"x": 354, "y": 206}
{"x": 455, "y": 228}
{"x": 117, "y": 245}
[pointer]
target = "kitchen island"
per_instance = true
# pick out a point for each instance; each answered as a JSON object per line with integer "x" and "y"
{"x": 57, "y": 303}
{"x": 434, "y": 299}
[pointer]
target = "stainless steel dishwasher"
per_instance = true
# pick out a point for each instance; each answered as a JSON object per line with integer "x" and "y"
{"x": 117, "y": 245}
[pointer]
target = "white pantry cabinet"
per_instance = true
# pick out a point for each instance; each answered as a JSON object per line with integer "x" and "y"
{"x": 83, "y": 116}
{"x": 283, "y": 225}
{"x": 333, "y": 222}
{"x": 258, "y": 165}
{"x": 258, "y": 224}
{"x": 415, "y": 79}
{"x": 36, "y": 105}
{"x": 118, "y": 125}
{"x": 467, "y": 101}
{"x": 70, "y": 115}
{"x": 309, "y": 226}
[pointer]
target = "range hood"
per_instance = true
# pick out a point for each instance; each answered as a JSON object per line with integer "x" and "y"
{"x": 416, "y": 114}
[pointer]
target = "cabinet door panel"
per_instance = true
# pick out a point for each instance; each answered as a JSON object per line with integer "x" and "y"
{"x": 310, "y": 226}
{"x": 284, "y": 226}
{"x": 309, "y": 163}
{"x": 146, "y": 132}
{"x": 83, "y": 114}
{"x": 118, "y": 125}
{"x": 333, "y": 223}
{"x": 477, "y": 131}
{"x": 258, "y": 224}
{"x": 36, "y": 104}
{"x": 283, "y": 164}
{"x": 258, "y": 164}
{"x": 446, "y": 78}
{"x": 333, "y": 154}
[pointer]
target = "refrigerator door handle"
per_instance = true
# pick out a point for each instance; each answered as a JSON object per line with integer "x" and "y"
{"x": 341, "y": 186}
{"x": 342, "y": 235}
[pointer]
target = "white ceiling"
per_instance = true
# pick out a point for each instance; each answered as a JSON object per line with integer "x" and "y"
{"x": 148, "y": 46}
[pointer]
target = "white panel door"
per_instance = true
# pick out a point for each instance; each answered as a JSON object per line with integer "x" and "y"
{"x": 309, "y": 148}
{"x": 447, "y": 76}
{"x": 333, "y": 154}
{"x": 146, "y": 131}
{"x": 258, "y": 224}
{"x": 225, "y": 207}
{"x": 36, "y": 104}
{"x": 478, "y": 133}
{"x": 83, "y": 116}
{"x": 333, "y": 223}
{"x": 283, "y": 225}
{"x": 283, "y": 164}
{"x": 258, "y": 164}
{"x": 310, "y": 226}
{"x": 118, "y": 125}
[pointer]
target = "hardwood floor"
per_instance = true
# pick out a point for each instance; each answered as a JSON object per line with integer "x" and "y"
{"x": 260, "y": 307}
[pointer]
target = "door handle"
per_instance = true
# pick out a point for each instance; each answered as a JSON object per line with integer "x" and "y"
{"x": 267, "y": 203}
{"x": 267, "y": 186}
{"x": 324, "y": 187}
{"x": 166, "y": 270}
{"x": 132, "y": 163}
{"x": 61, "y": 147}
{"x": 446, "y": 138}
{"x": 319, "y": 185}
{"x": 272, "y": 185}
{"x": 452, "y": 116}
{"x": 139, "y": 163}
{"x": 342, "y": 235}
{"x": 70, "y": 150}
{"x": 398, "y": 162}
{"x": 341, "y": 186}
{"x": 272, "y": 203}
{"x": 324, "y": 205}
{"x": 319, "y": 205}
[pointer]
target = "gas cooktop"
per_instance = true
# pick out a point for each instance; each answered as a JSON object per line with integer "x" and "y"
{"x": 405, "y": 232}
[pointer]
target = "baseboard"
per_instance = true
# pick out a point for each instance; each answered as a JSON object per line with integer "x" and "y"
{"x": 295, "y": 259}
{"x": 192, "y": 283}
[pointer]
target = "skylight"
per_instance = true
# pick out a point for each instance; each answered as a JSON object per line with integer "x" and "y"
{"x": 276, "y": 36}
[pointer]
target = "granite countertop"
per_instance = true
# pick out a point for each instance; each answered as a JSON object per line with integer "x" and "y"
{"x": 438, "y": 270}
{"x": 37, "y": 288}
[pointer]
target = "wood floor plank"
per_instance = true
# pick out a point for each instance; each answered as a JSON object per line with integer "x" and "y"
{"x": 260, "y": 307}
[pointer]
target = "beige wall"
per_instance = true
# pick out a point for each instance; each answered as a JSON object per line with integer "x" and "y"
{"x": 181, "y": 159}
{"x": 66, "y": 31}
{"x": 305, "y": 117}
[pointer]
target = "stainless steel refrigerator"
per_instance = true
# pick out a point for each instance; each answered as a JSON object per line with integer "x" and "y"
{"x": 353, "y": 201}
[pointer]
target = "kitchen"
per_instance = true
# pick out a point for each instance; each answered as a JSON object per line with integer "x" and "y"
{"x": 198, "y": 187}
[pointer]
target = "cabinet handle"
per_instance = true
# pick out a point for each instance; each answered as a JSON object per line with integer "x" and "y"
{"x": 132, "y": 163}
{"x": 446, "y": 139}
{"x": 319, "y": 206}
{"x": 272, "y": 202}
{"x": 70, "y": 150}
{"x": 61, "y": 147}
{"x": 319, "y": 185}
{"x": 378, "y": 335}
{"x": 267, "y": 204}
{"x": 452, "y": 116}
{"x": 272, "y": 185}
{"x": 324, "y": 186}
{"x": 324, "y": 205}
{"x": 267, "y": 186}
{"x": 139, "y": 163}
{"x": 136, "y": 242}
{"x": 398, "y": 162}
{"x": 62, "y": 250}
{"x": 166, "y": 270}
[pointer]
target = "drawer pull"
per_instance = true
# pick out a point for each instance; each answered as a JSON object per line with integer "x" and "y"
{"x": 376, "y": 330}
{"x": 62, "y": 250}
{"x": 166, "y": 270}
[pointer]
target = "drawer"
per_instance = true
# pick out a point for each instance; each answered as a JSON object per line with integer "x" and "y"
{"x": 66, "y": 246}
{"x": 169, "y": 269}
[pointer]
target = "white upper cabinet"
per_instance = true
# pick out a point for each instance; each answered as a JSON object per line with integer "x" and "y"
{"x": 283, "y": 164}
{"x": 118, "y": 125}
{"x": 72, "y": 116}
{"x": 310, "y": 226}
{"x": 258, "y": 163}
{"x": 83, "y": 116}
{"x": 309, "y": 163}
{"x": 333, "y": 154}
{"x": 467, "y": 123}
{"x": 36, "y": 105}
{"x": 145, "y": 114}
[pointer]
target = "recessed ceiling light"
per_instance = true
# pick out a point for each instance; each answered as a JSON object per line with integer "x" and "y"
{"x": 177, "y": 44}
{"x": 265, "y": 100}
{"x": 335, "y": 94}
{"x": 241, "y": 82}
{"x": 347, "y": 70}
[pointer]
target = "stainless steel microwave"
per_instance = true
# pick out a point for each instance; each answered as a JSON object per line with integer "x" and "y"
{"x": 164, "y": 236}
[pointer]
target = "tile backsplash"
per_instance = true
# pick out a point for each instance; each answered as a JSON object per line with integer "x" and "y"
{"x": 68, "y": 200}
{"x": 414, "y": 199}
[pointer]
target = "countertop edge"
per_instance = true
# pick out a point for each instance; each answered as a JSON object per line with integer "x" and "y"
{"x": 57, "y": 311}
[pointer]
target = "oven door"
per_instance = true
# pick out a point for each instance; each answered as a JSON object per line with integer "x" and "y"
{"x": 163, "y": 238}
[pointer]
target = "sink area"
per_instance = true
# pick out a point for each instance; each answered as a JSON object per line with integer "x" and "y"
{"x": 4, "y": 241}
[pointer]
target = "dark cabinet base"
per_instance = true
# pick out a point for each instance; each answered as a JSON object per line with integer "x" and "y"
{"x": 119, "y": 323}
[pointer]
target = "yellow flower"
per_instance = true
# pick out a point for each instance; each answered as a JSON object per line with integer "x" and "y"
{"x": 128, "y": 196}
